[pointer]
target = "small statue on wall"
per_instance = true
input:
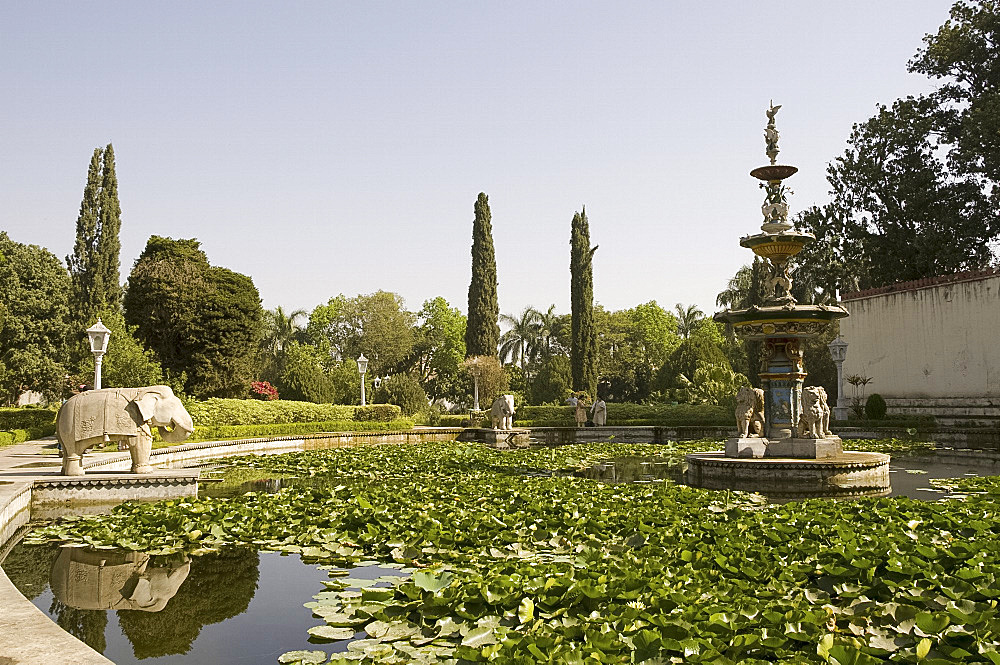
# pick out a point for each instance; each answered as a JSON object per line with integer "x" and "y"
{"x": 750, "y": 412}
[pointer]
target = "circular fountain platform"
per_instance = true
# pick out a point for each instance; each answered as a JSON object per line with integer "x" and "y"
{"x": 848, "y": 474}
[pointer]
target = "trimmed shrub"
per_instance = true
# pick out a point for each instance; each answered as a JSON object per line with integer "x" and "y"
{"x": 25, "y": 417}
{"x": 875, "y": 407}
{"x": 379, "y": 412}
{"x": 13, "y": 436}
{"x": 219, "y": 411}
{"x": 404, "y": 391}
{"x": 221, "y": 432}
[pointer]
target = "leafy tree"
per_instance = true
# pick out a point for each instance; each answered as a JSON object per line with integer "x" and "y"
{"x": 963, "y": 56}
{"x": 899, "y": 204}
{"x": 917, "y": 191}
{"x": 554, "y": 381}
{"x": 127, "y": 364}
{"x": 439, "y": 349}
{"x": 33, "y": 339}
{"x": 404, "y": 391}
{"x": 697, "y": 348}
{"x": 583, "y": 350}
{"x": 482, "y": 334}
{"x": 493, "y": 381}
{"x": 711, "y": 384}
{"x": 303, "y": 378}
{"x": 376, "y": 325}
{"x": 94, "y": 264}
{"x": 201, "y": 321}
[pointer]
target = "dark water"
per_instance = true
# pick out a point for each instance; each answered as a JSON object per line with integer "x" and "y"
{"x": 232, "y": 608}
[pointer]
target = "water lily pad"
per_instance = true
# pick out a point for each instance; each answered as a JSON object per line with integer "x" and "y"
{"x": 333, "y": 633}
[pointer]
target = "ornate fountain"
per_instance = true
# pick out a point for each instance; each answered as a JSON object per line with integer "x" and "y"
{"x": 784, "y": 441}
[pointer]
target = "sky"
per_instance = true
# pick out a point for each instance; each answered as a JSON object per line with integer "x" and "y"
{"x": 339, "y": 147}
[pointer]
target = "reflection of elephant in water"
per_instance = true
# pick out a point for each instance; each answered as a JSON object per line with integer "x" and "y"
{"x": 114, "y": 414}
{"x": 502, "y": 412}
{"x": 114, "y": 580}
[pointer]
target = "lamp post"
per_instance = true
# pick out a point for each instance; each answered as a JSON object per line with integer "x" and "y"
{"x": 99, "y": 336}
{"x": 838, "y": 351}
{"x": 362, "y": 368}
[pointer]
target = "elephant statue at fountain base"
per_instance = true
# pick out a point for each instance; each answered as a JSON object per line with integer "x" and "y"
{"x": 120, "y": 414}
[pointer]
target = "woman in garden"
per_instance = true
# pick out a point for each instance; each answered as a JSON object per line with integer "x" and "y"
{"x": 600, "y": 412}
{"x": 581, "y": 411}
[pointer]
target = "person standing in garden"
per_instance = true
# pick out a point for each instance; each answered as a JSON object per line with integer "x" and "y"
{"x": 581, "y": 411}
{"x": 599, "y": 412}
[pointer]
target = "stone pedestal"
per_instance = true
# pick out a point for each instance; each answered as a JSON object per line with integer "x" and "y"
{"x": 757, "y": 448}
{"x": 754, "y": 446}
{"x": 500, "y": 439}
{"x": 825, "y": 448}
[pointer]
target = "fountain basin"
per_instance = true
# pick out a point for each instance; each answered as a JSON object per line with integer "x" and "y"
{"x": 849, "y": 474}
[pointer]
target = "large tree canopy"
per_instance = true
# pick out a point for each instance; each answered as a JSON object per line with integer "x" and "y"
{"x": 376, "y": 325}
{"x": 203, "y": 321}
{"x": 917, "y": 191}
{"x": 33, "y": 337}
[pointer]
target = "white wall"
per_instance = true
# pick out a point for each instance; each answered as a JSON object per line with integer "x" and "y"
{"x": 937, "y": 341}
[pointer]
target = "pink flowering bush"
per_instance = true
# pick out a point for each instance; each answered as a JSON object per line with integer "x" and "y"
{"x": 263, "y": 390}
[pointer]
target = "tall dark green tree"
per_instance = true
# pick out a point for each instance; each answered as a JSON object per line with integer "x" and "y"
{"x": 583, "y": 348}
{"x": 482, "y": 332}
{"x": 204, "y": 322}
{"x": 94, "y": 264}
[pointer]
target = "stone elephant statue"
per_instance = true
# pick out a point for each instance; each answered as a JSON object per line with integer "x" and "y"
{"x": 120, "y": 414}
{"x": 114, "y": 580}
{"x": 502, "y": 412}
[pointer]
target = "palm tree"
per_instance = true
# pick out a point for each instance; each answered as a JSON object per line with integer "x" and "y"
{"x": 280, "y": 330}
{"x": 687, "y": 319}
{"x": 551, "y": 326}
{"x": 523, "y": 340}
{"x": 737, "y": 293}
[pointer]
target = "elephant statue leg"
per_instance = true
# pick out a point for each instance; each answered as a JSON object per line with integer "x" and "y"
{"x": 140, "y": 447}
{"x": 71, "y": 465}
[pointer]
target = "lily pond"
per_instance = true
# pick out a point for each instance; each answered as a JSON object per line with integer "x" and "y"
{"x": 455, "y": 553}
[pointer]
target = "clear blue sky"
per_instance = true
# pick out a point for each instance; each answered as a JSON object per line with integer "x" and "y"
{"x": 338, "y": 147}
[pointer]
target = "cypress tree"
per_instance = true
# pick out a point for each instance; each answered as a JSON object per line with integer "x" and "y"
{"x": 94, "y": 264}
{"x": 583, "y": 345}
{"x": 81, "y": 262}
{"x": 109, "y": 225}
{"x": 482, "y": 334}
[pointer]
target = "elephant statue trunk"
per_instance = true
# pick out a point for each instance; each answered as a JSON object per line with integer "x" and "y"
{"x": 120, "y": 414}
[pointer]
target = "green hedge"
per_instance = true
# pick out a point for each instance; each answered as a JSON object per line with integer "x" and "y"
{"x": 21, "y": 435}
{"x": 222, "y": 432}
{"x": 217, "y": 411}
{"x": 629, "y": 415}
{"x": 12, "y": 418}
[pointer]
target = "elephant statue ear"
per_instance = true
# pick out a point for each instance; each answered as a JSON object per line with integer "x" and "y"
{"x": 146, "y": 403}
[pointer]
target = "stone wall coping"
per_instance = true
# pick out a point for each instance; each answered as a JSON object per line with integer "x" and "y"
{"x": 925, "y": 283}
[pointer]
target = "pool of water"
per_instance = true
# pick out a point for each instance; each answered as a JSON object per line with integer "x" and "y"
{"x": 238, "y": 607}
{"x": 909, "y": 475}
